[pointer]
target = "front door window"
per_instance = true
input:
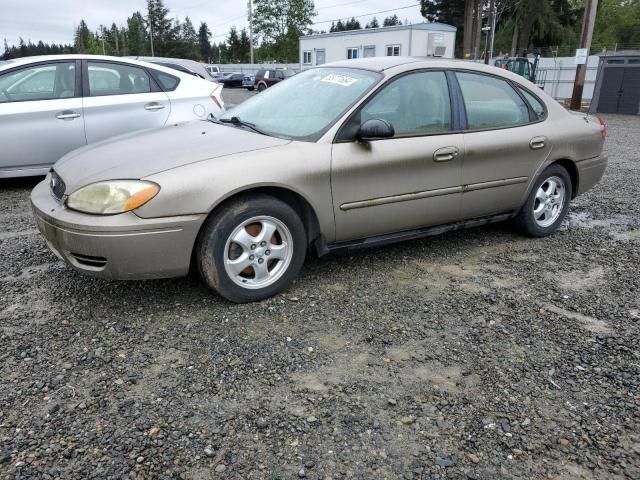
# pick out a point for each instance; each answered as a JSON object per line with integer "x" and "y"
{"x": 415, "y": 104}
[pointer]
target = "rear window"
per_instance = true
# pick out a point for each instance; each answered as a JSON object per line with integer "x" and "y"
{"x": 167, "y": 82}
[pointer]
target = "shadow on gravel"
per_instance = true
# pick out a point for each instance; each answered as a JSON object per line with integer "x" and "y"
{"x": 19, "y": 183}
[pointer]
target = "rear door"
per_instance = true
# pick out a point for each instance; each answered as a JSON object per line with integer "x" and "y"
{"x": 505, "y": 142}
{"x": 40, "y": 114}
{"x": 121, "y": 98}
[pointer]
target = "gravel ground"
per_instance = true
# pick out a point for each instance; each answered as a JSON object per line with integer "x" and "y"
{"x": 477, "y": 354}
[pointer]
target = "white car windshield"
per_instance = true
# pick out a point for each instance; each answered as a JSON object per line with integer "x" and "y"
{"x": 306, "y": 105}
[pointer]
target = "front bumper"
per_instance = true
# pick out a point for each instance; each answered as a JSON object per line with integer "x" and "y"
{"x": 122, "y": 246}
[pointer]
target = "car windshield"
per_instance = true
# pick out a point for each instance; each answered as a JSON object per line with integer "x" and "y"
{"x": 307, "y": 104}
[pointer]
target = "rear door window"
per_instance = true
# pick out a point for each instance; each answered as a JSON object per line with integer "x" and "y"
{"x": 491, "y": 102}
{"x": 116, "y": 79}
{"x": 167, "y": 82}
{"x": 536, "y": 105}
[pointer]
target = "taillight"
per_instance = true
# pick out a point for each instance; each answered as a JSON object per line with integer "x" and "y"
{"x": 216, "y": 101}
{"x": 603, "y": 129}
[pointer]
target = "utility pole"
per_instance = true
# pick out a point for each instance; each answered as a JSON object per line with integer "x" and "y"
{"x": 251, "y": 30}
{"x": 151, "y": 36}
{"x": 588, "y": 23}
{"x": 488, "y": 48}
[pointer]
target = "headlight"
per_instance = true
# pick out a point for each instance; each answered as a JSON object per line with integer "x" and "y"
{"x": 115, "y": 196}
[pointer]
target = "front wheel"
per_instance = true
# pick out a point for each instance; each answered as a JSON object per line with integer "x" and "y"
{"x": 251, "y": 249}
{"x": 262, "y": 87}
{"x": 547, "y": 204}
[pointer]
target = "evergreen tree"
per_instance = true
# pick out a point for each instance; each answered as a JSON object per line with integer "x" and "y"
{"x": 85, "y": 41}
{"x": 136, "y": 35}
{"x": 186, "y": 43}
{"x": 235, "y": 47}
{"x": 245, "y": 46}
{"x": 373, "y": 23}
{"x": 204, "y": 34}
{"x": 392, "y": 21}
{"x": 160, "y": 26}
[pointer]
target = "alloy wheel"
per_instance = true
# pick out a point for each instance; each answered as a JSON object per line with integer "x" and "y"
{"x": 258, "y": 252}
{"x": 549, "y": 201}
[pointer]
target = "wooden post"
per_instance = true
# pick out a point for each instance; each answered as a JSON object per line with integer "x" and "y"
{"x": 488, "y": 48}
{"x": 477, "y": 31}
{"x": 468, "y": 29}
{"x": 588, "y": 23}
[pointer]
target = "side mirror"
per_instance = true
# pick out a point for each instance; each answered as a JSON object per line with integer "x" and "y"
{"x": 375, "y": 128}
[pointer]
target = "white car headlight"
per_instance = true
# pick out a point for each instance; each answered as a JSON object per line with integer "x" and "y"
{"x": 111, "y": 197}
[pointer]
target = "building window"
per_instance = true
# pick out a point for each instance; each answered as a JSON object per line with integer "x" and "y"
{"x": 393, "y": 50}
{"x": 352, "y": 53}
{"x": 369, "y": 51}
{"x": 306, "y": 57}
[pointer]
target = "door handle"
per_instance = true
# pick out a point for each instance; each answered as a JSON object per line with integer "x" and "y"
{"x": 445, "y": 154}
{"x": 153, "y": 106}
{"x": 537, "y": 143}
{"x": 67, "y": 115}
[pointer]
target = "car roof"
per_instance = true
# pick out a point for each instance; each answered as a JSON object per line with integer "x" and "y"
{"x": 376, "y": 64}
{"x": 400, "y": 64}
{"x": 78, "y": 56}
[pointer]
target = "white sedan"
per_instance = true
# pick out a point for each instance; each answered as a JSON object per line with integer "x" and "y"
{"x": 51, "y": 105}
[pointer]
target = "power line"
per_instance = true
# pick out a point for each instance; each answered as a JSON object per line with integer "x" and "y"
{"x": 329, "y": 21}
{"x": 328, "y": 7}
{"x": 368, "y": 14}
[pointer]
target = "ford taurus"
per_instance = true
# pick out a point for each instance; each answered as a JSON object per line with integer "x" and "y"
{"x": 346, "y": 155}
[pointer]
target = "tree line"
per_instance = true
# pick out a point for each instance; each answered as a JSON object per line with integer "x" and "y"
{"x": 354, "y": 24}
{"x": 535, "y": 25}
{"x": 522, "y": 25}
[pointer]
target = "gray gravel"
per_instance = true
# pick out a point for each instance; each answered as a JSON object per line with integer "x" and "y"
{"x": 478, "y": 354}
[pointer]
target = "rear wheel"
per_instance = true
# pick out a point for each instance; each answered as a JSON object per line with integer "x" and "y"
{"x": 547, "y": 204}
{"x": 262, "y": 87}
{"x": 252, "y": 248}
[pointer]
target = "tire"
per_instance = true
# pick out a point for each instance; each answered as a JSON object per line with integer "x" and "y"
{"x": 230, "y": 246}
{"x": 547, "y": 204}
{"x": 262, "y": 87}
{"x": 250, "y": 89}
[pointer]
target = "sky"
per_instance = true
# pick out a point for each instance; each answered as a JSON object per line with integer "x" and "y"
{"x": 55, "y": 21}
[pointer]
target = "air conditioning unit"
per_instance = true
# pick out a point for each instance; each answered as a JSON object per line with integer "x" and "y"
{"x": 435, "y": 45}
{"x": 439, "y": 51}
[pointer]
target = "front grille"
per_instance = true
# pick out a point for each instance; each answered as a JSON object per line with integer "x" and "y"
{"x": 57, "y": 185}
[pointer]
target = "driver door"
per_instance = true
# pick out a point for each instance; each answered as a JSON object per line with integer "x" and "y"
{"x": 408, "y": 181}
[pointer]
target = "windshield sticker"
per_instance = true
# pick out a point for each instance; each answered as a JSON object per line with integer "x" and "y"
{"x": 339, "y": 80}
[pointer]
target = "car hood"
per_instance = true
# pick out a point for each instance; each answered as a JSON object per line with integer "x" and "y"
{"x": 145, "y": 153}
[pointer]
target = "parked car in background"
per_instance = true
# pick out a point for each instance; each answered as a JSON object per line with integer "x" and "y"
{"x": 267, "y": 77}
{"x": 350, "y": 154}
{"x": 51, "y": 105}
{"x": 182, "y": 65}
{"x": 213, "y": 70}
{"x": 231, "y": 80}
{"x": 249, "y": 82}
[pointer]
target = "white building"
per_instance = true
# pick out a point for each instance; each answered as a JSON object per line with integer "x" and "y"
{"x": 419, "y": 40}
